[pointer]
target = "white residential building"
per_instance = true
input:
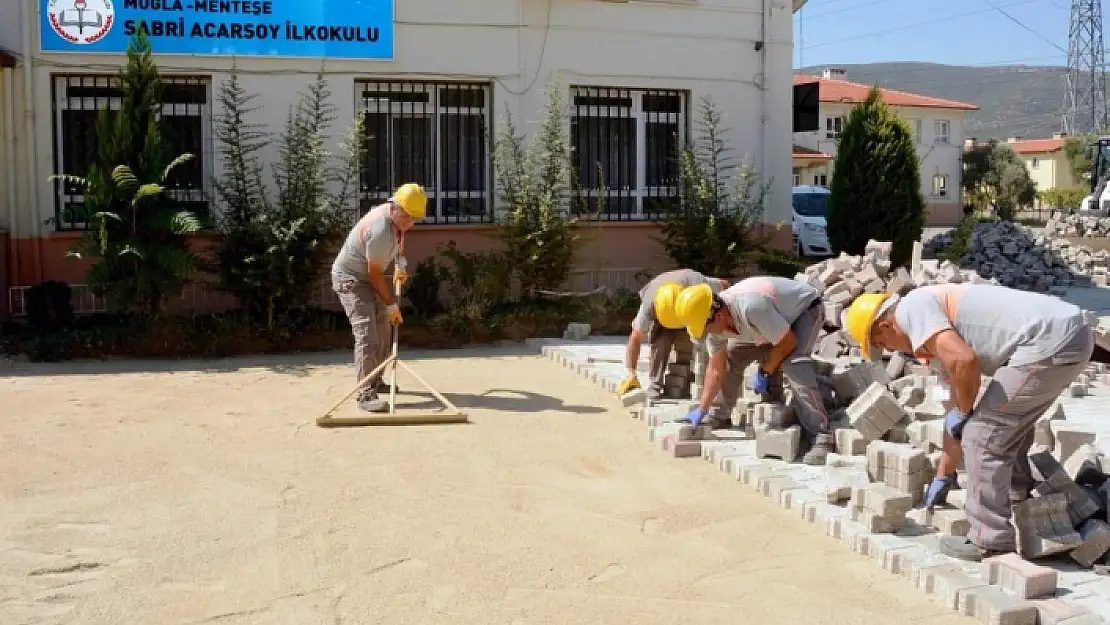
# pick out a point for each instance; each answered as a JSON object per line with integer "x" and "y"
{"x": 938, "y": 127}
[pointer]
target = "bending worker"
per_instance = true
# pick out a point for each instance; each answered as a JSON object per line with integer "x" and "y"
{"x": 1032, "y": 345}
{"x": 358, "y": 277}
{"x": 780, "y": 319}
{"x": 656, "y": 321}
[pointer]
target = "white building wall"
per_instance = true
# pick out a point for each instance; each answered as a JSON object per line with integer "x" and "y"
{"x": 936, "y": 156}
{"x": 707, "y": 48}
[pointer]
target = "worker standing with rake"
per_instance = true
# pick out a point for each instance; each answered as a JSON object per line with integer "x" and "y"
{"x": 358, "y": 277}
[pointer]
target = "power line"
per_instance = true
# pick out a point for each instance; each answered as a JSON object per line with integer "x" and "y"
{"x": 914, "y": 25}
{"x": 1022, "y": 25}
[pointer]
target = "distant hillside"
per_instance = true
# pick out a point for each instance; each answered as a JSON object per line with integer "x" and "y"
{"x": 1014, "y": 100}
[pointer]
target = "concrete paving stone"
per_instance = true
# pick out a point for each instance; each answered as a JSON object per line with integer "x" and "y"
{"x": 882, "y": 500}
{"x": 855, "y": 536}
{"x": 818, "y": 512}
{"x": 679, "y": 448}
{"x": 1020, "y": 577}
{"x": 771, "y": 442}
{"x": 795, "y": 500}
{"x": 947, "y": 521}
{"x": 735, "y": 465}
{"x": 1058, "y": 611}
{"x": 750, "y": 474}
{"x": 875, "y": 412}
{"x": 1043, "y": 526}
{"x": 773, "y": 486}
{"x": 945, "y": 582}
{"x": 1096, "y": 542}
{"x": 875, "y": 523}
{"x": 1068, "y": 437}
{"x": 990, "y": 606}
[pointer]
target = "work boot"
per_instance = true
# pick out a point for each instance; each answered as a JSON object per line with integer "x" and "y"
{"x": 961, "y": 548}
{"x": 370, "y": 402}
{"x": 822, "y": 447}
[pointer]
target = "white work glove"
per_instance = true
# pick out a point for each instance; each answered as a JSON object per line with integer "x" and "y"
{"x": 394, "y": 312}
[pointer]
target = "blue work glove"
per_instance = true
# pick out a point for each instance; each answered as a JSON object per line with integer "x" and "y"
{"x": 938, "y": 491}
{"x": 695, "y": 416}
{"x": 761, "y": 383}
{"x": 954, "y": 423}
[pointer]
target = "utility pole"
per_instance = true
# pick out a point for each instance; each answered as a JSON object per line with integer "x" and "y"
{"x": 1085, "y": 83}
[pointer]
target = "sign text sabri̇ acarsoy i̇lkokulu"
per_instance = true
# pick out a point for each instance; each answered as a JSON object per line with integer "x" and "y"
{"x": 249, "y": 30}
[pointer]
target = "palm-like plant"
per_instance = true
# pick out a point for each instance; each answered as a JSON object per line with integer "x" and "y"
{"x": 139, "y": 266}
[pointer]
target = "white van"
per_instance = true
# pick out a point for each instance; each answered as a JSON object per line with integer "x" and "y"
{"x": 808, "y": 221}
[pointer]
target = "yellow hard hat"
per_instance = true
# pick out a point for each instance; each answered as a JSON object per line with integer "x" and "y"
{"x": 860, "y": 316}
{"x": 665, "y": 297}
{"x": 411, "y": 198}
{"x": 692, "y": 309}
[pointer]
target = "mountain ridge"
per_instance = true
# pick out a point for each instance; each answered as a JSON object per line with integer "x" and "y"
{"x": 1014, "y": 100}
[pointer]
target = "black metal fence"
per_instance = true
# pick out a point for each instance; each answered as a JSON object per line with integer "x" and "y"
{"x": 187, "y": 118}
{"x": 436, "y": 134}
{"x": 625, "y": 145}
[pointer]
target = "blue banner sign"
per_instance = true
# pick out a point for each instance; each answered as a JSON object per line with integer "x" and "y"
{"x": 352, "y": 29}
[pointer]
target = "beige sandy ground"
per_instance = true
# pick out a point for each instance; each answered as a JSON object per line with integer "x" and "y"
{"x": 164, "y": 493}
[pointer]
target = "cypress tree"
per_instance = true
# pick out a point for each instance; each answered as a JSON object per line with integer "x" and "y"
{"x": 876, "y": 184}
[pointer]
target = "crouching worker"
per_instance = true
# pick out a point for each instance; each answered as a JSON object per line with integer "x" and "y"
{"x": 358, "y": 277}
{"x": 775, "y": 321}
{"x": 656, "y": 321}
{"x": 1033, "y": 346}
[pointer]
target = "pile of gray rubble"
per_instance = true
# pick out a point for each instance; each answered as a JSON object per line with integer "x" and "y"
{"x": 1025, "y": 258}
{"x": 1074, "y": 225}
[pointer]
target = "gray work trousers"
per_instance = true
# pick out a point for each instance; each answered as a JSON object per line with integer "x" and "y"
{"x": 800, "y": 371}
{"x": 997, "y": 438}
{"x": 739, "y": 357}
{"x": 662, "y": 341}
{"x": 370, "y": 326}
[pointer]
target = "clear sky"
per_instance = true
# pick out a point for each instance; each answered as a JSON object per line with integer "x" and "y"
{"x": 953, "y": 32}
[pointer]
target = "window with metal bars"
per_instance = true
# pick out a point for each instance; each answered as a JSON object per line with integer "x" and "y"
{"x": 431, "y": 133}
{"x": 186, "y": 122}
{"x": 625, "y": 145}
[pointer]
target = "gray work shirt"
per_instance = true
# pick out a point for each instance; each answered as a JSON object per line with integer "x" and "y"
{"x": 1002, "y": 326}
{"x": 645, "y": 316}
{"x": 374, "y": 238}
{"x": 763, "y": 308}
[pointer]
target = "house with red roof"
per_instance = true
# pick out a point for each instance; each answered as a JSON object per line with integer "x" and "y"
{"x": 1046, "y": 161}
{"x": 937, "y": 125}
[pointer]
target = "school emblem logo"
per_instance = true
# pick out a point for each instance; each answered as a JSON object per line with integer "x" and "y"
{"x": 81, "y": 21}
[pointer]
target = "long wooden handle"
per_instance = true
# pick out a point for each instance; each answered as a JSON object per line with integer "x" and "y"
{"x": 393, "y": 358}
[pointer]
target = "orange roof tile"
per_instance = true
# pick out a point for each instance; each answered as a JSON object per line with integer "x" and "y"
{"x": 1037, "y": 146}
{"x": 803, "y": 152}
{"x": 854, "y": 93}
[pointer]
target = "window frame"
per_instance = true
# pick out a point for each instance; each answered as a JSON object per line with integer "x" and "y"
{"x": 1035, "y": 163}
{"x": 821, "y": 180}
{"x": 61, "y": 102}
{"x": 837, "y": 123}
{"x": 940, "y": 137}
{"x": 640, "y": 191}
{"x": 436, "y": 112}
{"x": 940, "y": 185}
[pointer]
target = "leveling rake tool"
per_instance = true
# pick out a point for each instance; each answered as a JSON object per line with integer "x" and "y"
{"x": 450, "y": 414}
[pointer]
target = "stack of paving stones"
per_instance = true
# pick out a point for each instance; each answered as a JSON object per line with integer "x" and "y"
{"x": 1077, "y": 226}
{"x": 1021, "y": 257}
{"x": 887, "y": 419}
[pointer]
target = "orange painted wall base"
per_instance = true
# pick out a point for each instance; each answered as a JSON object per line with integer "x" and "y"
{"x": 606, "y": 248}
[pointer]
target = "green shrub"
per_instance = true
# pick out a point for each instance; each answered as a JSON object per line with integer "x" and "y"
{"x": 538, "y": 222}
{"x": 1067, "y": 199}
{"x": 713, "y": 229}
{"x": 48, "y": 305}
{"x": 876, "y": 184}
{"x": 277, "y": 244}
